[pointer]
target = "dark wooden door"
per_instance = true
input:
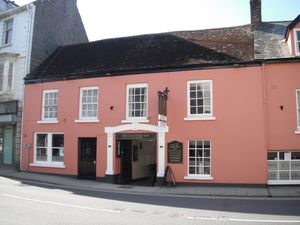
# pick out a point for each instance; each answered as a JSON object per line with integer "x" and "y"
{"x": 87, "y": 158}
{"x": 126, "y": 161}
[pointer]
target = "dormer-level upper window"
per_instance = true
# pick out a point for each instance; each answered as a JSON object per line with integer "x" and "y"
{"x": 297, "y": 41}
{"x": 7, "y": 32}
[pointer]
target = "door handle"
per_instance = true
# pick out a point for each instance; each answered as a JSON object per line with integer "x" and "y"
{"x": 94, "y": 162}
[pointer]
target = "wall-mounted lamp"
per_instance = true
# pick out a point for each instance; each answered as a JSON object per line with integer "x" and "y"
{"x": 111, "y": 108}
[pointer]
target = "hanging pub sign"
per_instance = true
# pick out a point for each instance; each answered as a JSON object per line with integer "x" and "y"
{"x": 162, "y": 102}
{"x": 175, "y": 152}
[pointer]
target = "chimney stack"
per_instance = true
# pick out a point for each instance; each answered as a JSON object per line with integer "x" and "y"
{"x": 255, "y": 9}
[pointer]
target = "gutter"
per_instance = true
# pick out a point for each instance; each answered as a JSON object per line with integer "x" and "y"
{"x": 99, "y": 73}
{"x": 282, "y": 60}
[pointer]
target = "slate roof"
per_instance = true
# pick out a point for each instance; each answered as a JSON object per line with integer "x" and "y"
{"x": 166, "y": 51}
{"x": 148, "y": 52}
{"x": 270, "y": 43}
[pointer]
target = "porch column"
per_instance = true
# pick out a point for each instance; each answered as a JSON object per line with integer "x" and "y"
{"x": 161, "y": 154}
{"x": 109, "y": 159}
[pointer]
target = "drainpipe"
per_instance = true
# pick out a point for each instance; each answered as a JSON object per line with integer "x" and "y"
{"x": 31, "y": 11}
{"x": 265, "y": 107}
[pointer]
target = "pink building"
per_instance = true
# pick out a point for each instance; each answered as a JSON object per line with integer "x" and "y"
{"x": 218, "y": 106}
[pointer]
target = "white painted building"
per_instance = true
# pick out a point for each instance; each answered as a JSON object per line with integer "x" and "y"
{"x": 28, "y": 34}
{"x": 15, "y": 50}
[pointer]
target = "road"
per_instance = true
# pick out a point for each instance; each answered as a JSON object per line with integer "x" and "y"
{"x": 23, "y": 202}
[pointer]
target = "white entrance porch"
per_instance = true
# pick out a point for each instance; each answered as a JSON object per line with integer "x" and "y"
{"x": 160, "y": 130}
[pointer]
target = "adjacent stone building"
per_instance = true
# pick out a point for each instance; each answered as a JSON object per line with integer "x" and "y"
{"x": 30, "y": 33}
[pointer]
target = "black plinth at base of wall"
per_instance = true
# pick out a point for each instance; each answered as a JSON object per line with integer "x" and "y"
{"x": 113, "y": 179}
{"x": 159, "y": 180}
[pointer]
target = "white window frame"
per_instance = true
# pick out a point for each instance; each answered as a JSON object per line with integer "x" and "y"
{"x": 136, "y": 119}
{"x": 49, "y": 162}
{"x": 10, "y": 84}
{"x": 203, "y": 116}
{"x": 287, "y": 158}
{"x": 296, "y": 41}
{"x": 88, "y": 119}
{"x": 48, "y": 120}
{"x": 4, "y": 33}
{"x": 6, "y": 88}
{"x": 198, "y": 176}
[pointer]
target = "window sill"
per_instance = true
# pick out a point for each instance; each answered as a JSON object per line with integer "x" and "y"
{"x": 134, "y": 121}
{"x": 283, "y": 182}
{"x": 87, "y": 121}
{"x": 47, "y": 165}
{"x": 200, "y": 118}
{"x": 6, "y": 45}
{"x": 6, "y": 92}
{"x": 297, "y": 132}
{"x": 47, "y": 121}
{"x": 198, "y": 177}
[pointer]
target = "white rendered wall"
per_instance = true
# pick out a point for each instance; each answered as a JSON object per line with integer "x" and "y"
{"x": 21, "y": 45}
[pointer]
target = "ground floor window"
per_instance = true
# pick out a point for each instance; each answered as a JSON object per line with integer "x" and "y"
{"x": 199, "y": 157}
{"x": 49, "y": 148}
{"x": 284, "y": 166}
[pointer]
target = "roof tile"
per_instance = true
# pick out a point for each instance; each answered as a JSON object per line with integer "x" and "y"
{"x": 166, "y": 50}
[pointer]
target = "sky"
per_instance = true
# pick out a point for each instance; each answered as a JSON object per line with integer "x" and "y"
{"x": 118, "y": 18}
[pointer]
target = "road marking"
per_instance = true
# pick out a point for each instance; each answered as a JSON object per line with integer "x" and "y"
{"x": 241, "y": 220}
{"x": 60, "y": 204}
{"x": 119, "y": 211}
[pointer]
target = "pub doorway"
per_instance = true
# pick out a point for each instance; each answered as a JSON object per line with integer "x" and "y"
{"x": 137, "y": 153}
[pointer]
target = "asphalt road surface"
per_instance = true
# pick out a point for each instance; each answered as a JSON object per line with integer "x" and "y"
{"x": 23, "y": 202}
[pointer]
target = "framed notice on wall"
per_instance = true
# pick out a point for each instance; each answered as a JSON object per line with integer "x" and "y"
{"x": 175, "y": 152}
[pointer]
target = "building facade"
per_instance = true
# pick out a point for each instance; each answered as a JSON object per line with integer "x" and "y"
{"x": 30, "y": 33}
{"x": 209, "y": 104}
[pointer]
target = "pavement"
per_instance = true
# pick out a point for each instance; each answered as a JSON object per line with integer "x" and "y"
{"x": 179, "y": 190}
